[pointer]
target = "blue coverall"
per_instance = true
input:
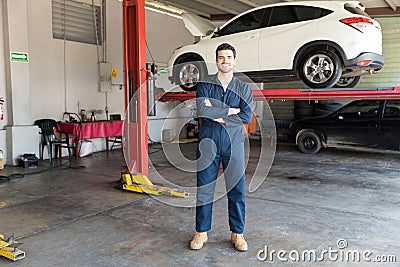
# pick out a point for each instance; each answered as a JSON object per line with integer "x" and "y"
{"x": 222, "y": 142}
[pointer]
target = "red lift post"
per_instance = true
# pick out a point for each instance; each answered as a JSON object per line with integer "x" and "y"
{"x": 136, "y": 124}
{"x": 135, "y": 75}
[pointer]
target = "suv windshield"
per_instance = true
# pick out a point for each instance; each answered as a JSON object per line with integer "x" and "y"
{"x": 355, "y": 10}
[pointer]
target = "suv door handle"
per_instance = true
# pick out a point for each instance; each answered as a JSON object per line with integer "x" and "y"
{"x": 252, "y": 36}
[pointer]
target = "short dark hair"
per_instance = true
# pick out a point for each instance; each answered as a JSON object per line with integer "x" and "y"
{"x": 225, "y": 46}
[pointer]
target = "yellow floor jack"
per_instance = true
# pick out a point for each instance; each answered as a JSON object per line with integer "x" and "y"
{"x": 9, "y": 248}
{"x": 142, "y": 184}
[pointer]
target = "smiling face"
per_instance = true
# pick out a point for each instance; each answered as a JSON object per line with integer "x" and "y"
{"x": 225, "y": 61}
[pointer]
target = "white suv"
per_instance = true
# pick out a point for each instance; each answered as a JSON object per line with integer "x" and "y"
{"x": 323, "y": 43}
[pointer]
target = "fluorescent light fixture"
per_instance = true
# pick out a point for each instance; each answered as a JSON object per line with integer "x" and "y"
{"x": 162, "y": 8}
{"x": 168, "y": 9}
{"x": 163, "y": 12}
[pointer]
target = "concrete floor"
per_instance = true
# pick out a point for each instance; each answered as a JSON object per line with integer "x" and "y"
{"x": 80, "y": 217}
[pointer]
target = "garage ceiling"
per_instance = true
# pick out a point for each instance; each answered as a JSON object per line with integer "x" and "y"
{"x": 225, "y": 9}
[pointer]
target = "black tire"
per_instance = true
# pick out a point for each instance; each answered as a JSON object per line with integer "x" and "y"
{"x": 309, "y": 142}
{"x": 320, "y": 69}
{"x": 348, "y": 82}
{"x": 331, "y": 107}
{"x": 283, "y": 124}
{"x": 188, "y": 74}
{"x": 303, "y": 111}
{"x": 304, "y": 104}
{"x": 328, "y": 102}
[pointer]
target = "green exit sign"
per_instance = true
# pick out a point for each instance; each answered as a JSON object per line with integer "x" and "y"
{"x": 19, "y": 57}
{"x": 163, "y": 71}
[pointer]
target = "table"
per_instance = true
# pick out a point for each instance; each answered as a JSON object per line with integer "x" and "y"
{"x": 88, "y": 130}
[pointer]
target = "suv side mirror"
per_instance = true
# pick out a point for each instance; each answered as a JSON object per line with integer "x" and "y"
{"x": 217, "y": 33}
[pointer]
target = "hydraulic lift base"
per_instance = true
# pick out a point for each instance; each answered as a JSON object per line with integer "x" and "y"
{"x": 9, "y": 250}
{"x": 12, "y": 254}
{"x": 142, "y": 184}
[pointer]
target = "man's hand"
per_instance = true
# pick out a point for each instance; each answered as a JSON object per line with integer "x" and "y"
{"x": 233, "y": 111}
{"x": 207, "y": 102}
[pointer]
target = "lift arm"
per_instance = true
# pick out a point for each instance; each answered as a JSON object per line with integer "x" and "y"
{"x": 305, "y": 94}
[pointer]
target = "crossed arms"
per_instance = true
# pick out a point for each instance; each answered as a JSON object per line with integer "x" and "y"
{"x": 208, "y": 107}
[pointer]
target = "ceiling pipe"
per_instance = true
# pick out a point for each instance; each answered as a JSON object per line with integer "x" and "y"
{"x": 218, "y": 6}
{"x": 104, "y": 21}
{"x": 249, "y": 3}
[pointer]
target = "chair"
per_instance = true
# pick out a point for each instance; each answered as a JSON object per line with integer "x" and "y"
{"x": 114, "y": 139}
{"x": 51, "y": 135}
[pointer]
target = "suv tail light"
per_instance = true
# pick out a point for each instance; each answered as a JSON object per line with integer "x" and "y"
{"x": 364, "y": 63}
{"x": 358, "y": 23}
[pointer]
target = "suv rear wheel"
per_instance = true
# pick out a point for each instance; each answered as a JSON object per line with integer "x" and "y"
{"x": 320, "y": 69}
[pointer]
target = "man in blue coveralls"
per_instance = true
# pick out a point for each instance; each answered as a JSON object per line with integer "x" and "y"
{"x": 224, "y": 104}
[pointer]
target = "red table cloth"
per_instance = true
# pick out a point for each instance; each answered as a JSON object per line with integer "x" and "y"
{"x": 88, "y": 130}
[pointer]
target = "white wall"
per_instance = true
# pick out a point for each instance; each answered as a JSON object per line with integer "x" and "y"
{"x": 164, "y": 33}
{"x": 63, "y": 74}
{"x": 59, "y": 82}
{"x": 3, "y": 122}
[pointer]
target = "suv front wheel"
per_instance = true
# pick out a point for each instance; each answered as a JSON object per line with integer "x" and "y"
{"x": 188, "y": 74}
{"x": 320, "y": 69}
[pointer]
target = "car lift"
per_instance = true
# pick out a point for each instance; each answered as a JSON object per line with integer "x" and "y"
{"x": 9, "y": 248}
{"x": 135, "y": 75}
{"x": 142, "y": 184}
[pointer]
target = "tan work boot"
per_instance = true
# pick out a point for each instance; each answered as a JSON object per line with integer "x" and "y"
{"x": 239, "y": 242}
{"x": 198, "y": 240}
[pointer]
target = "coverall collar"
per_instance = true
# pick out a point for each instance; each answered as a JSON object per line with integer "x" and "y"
{"x": 214, "y": 79}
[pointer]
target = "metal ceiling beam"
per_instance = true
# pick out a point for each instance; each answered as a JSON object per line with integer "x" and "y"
{"x": 163, "y": 11}
{"x": 249, "y": 3}
{"x": 218, "y": 6}
{"x": 189, "y": 9}
{"x": 220, "y": 17}
{"x": 391, "y": 4}
{"x": 382, "y": 11}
